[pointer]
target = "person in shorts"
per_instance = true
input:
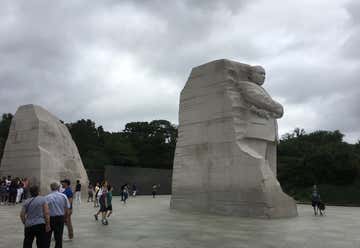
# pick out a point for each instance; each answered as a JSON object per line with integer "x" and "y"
{"x": 109, "y": 201}
{"x": 103, "y": 204}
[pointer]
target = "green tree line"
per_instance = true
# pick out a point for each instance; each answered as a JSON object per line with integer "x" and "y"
{"x": 321, "y": 158}
{"x": 304, "y": 159}
{"x": 140, "y": 144}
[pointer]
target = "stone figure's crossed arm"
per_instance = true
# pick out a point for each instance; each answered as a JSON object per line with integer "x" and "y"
{"x": 257, "y": 96}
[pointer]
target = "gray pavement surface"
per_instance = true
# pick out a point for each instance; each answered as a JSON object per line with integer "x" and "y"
{"x": 148, "y": 222}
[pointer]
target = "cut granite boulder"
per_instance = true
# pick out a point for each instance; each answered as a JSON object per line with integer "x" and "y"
{"x": 40, "y": 147}
{"x": 225, "y": 158}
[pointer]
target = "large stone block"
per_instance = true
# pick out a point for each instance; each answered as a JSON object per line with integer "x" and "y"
{"x": 40, "y": 148}
{"x": 225, "y": 159}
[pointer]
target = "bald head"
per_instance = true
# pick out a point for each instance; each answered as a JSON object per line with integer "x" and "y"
{"x": 257, "y": 74}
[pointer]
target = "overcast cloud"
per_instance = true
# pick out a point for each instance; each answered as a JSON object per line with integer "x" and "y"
{"x": 121, "y": 61}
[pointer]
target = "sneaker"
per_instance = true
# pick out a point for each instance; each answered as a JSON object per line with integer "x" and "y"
{"x": 96, "y": 217}
{"x": 105, "y": 222}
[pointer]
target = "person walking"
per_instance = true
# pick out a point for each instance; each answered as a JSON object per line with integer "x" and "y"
{"x": 78, "y": 193}
{"x": 122, "y": 191}
{"x": 315, "y": 200}
{"x": 36, "y": 219}
{"x": 13, "y": 192}
{"x": 26, "y": 188}
{"x": 134, "y": 190}
{"x": 125, "y": 193}
{"x": 90, "y": 193}
{"x": 154, "y": 190}
{"x": 96, "y": 200}
{"x": 69, "y": 194}
{"x": 58, "y": 208}
{"x": 103, "y": 204}
{"x": 20, "y": 191}
{"x": 109, "y": 201}
{"x": 3, "y": 192}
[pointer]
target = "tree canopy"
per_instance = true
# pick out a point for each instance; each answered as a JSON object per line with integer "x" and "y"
{"x": 320, "y": 157}
{"x": 140, "y": 144}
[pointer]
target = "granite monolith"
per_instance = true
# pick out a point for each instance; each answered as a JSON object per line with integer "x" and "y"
{"x": 40, "y": 148}
{"x": 225, "y": 158}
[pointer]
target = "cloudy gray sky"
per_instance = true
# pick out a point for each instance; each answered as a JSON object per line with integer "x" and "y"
{"x": 121, "y": 61}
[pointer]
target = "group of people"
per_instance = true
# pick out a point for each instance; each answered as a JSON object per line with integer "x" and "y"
{"x": 94, "y": 192}
{"x": 44, "y": 215}
{"x": 13, "y": 190}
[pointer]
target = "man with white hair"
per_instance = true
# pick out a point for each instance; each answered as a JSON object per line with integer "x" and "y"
{"x": 59, "y": 207}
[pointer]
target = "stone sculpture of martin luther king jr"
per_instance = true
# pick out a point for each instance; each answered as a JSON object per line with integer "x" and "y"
{"x": 261, "y": 132}
{"x": 225, "y": 159}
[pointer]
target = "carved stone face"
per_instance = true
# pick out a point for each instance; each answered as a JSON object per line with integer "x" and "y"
{"x": 257, "y": 75}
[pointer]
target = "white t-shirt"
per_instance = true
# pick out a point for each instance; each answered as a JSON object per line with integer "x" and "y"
{"x": 99, "y": 193}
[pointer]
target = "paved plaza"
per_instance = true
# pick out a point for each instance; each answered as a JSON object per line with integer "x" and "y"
{"x": 148, "y": 222}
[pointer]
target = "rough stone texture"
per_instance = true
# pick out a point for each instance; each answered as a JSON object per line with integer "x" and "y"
{"x": 225, "y": 159}
{"x": 40, "y": 148}
{"x": 144, "y": 178}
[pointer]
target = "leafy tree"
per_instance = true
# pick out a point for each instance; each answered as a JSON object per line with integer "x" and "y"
{"x": 155, "y": 142}
{"x": 320, "y": 157}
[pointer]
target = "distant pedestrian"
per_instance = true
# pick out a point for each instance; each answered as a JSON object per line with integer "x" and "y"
{"x": 20, "y": 191}
{"x": 109, "y": 201}
{"x": 13, "y": 191}
{"x": 26, "y": 188}
{"x": 3, "y": 192}
{"x": 69, "y": 194}
{"x": 35, "y": 216}
{"x": 8, "y": 180}
{"x": 96, "y": 200}
{"x": 134, "y": 190}
{"x": 122, "y": 191}
{"x": 315, "y": 200}
{"x": 58, "y": 207}
{"x": 125, "y": 193}
{"x": 90, "y": 193}
{"x": 78, "y": 193}
{"x": 103, "y": 204}
{"x": 154, "y": 190}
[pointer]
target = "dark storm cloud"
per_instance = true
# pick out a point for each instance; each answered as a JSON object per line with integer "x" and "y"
{"x": 121, "y": 61}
